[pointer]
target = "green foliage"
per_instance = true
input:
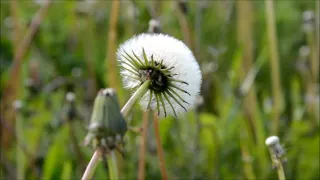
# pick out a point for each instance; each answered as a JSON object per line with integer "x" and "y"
{"x": 208, "y": 143}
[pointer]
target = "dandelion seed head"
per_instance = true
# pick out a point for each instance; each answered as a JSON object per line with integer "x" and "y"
{"x": 272, "y": 140}
{"x": 275, "y": 147}
{"x": 170, "y": 66}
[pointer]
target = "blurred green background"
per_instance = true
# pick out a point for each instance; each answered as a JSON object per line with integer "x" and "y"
{"x": 256, "y": 83}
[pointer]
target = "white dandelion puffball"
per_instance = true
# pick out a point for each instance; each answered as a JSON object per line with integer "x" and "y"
{"x": 174, "y": 73}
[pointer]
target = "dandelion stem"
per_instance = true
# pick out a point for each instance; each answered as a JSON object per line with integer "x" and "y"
{"x": 143, "y": 142}
{"x": 280, "y": 171}
{"x": 92, "y": 165}
{"x": 274, "y": 64}
{"x": 114, "y": 165}
{"x": 111, "y": 63}
{"x": 134, "y": 98}
{"x": 20, "y": 155}
{"x": 278, "y": 164}
{"x": 159, "y": 148}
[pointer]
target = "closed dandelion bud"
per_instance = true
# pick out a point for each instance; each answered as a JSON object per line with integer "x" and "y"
{"x": 107, "y": 123}
{"x": 169, "y": 66}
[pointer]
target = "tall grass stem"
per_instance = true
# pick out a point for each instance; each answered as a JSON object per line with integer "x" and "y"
{"x": 111, "y": 63}
{"x": 274, "y": 66}
{"x": 159, "y": 146}
{"x": 143, "y": 142}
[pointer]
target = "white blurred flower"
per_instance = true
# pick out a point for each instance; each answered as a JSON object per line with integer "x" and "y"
{"x": 170, "y": 66}
{"x": 275, "y": 147}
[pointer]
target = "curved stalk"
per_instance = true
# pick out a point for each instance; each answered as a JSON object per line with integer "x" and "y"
{"x": 92, "y": 165}
{"x": 134, "y": 98}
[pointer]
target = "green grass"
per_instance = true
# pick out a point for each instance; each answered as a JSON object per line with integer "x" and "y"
{"x": 226, "y": 146}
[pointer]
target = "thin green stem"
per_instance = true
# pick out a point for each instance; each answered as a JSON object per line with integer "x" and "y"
{"x": 20, "y": 155}
{"x": 280, "y": 170}
{"x": 134, "y": 98}
{"x": 274, "y": 64}
{"x": 159, "y": 147}
{"x": 114, "y": 165}
{"x": 278, "y": 164}
{"x": 143, "y": 142}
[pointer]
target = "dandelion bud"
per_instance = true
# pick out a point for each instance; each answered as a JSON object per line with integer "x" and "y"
{"x": 106, "y": 121}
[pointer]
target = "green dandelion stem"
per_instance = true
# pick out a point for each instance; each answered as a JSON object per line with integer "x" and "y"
{"x": 134, "y": 98}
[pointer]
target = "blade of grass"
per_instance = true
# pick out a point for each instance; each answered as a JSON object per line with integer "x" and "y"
{"x": 184, "y": 25}
{"x": 13, "y": 83}
{"x": 274, "y": 66}
{"x": 111, "y": 63}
